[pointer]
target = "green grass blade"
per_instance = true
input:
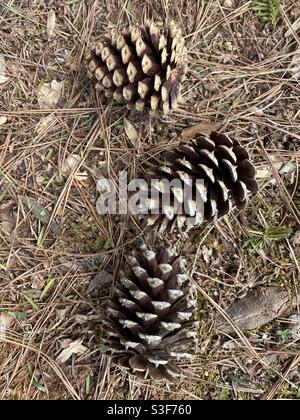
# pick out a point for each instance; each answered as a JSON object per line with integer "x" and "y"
{"x": 46, "y": 289}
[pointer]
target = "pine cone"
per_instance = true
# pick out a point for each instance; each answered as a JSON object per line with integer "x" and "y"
{"x": 228, "y": 178}
{"x": 141, "y": 66}
{"x": 150, "y": 327}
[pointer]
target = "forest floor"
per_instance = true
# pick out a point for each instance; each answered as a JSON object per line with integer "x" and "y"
{"x": 56, "y": 139}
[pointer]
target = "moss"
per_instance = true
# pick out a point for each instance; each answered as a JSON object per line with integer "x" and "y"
{"x": 224, "y": 394}
{"x": 84, "y": 236}
{"x": 289, "y": 392}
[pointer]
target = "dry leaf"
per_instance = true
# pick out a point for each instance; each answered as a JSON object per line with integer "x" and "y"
{"x": 284, "y": 168}
{"x": 287, "y": 168}
{"x": 100, "y": 281}
{"x": 3, "y": 120}
{"x": 3, "y": 78}
{"x": 39, "y": 211}
{"x": 259, "y": 307}
{"x": 81, "y": 319}
{"x": 51, "y": 19}
{"x": 263, "y": 173}
{"x": 60, "y": 314}
{"x": 49, "y": 94}
{"x": 70, "y": 164}
{"x": 228, "y": 3}
{"x": 65, "y": 342}
{"x": 40, "y": 179}
{"x": 204, "y": 127}
{"x": 131, "y": 132}
{"x": 37, "y": 281}
{"x": 6, "y": 321}
{"x": 74, "y": 347}
{"x": 44, "y": 123}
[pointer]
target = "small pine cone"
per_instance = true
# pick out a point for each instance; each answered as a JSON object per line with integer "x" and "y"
{"x": 150, "y": 327}
{"x": 141, "y": 66}
{"x": 227, "y": 175}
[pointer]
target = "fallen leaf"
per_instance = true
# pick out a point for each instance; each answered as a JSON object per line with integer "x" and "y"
{"x": 49, "y": 94}
{"x": 60, "y": 314}
{"x": 263, "y": 173}
{"x": 228, "y": 3}
{"x": 284, "y": 168}
{"x": 74, "y": 347}
{"x": 259, "y": 307}
{"x": 3, "y": 120}
{"x": 44, "y": 123}
{"x": 230, "y": 345}
{"x": 39, "y": 211}
{"x": 256, "y": 111}
{"x": 65, "y": 342}
{"x": 81, "y": 319}
{"x": 100, "y": 281}
{"x": 70, "y": 164}
{"x": 131, "y": 133}
{"x": 287, "y": 168}
{"x": 3, "y": 78}
{"x": 51, "y": 19}
{"x": 6, "y": 321}
{"x": 40, "y": 179}
{"x": 37, "y": 281}
{"x": 205, "y": 127}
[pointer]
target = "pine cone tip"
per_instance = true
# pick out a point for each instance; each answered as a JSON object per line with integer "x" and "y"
{"x": 150, "y": 327}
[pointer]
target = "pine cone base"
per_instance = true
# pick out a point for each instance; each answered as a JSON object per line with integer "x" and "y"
{"x": 223, "y": 167}
{"x": 141, "y": 66}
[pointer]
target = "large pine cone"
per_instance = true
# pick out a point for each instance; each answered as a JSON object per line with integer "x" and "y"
{"x": 150, "y": 327}
{"x": 228, "y": 178}
{"x": 141, "y": 66}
